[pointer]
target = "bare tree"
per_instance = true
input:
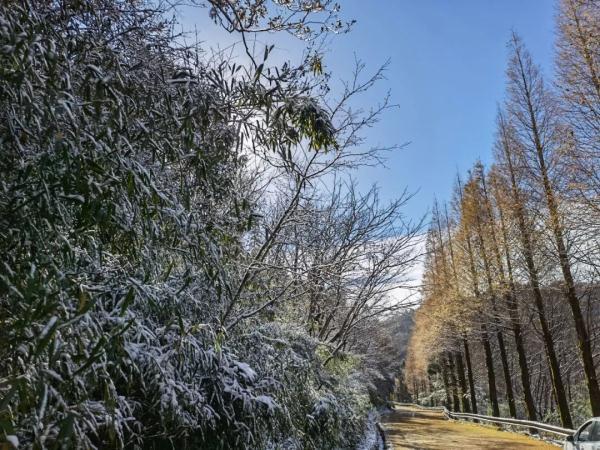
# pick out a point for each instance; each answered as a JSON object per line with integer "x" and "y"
{"x": 535, "y": 119}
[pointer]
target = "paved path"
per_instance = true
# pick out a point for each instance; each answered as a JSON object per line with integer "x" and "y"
{"x": 411, "y": 428}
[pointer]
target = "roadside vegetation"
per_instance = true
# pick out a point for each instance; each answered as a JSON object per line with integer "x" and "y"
{"x": 185, "y": 260}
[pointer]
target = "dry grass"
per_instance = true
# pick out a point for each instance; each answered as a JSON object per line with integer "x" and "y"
{"x": 409, "y": 428}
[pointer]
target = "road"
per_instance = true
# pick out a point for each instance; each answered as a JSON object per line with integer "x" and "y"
{"x": 410, "y": 428}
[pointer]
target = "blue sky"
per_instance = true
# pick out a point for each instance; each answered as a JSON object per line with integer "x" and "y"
{"x": 448, "y": 59}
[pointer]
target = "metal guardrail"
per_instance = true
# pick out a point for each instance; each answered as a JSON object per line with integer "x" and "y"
{"x": 552, "y": 429}
{"x": 430, "y": 408}
{"x": 514, "y": 422}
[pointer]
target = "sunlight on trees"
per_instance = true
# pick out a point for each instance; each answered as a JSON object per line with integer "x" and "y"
{"x": 518, "y": 294}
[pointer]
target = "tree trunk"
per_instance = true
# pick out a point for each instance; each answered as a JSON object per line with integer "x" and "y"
{"x": 489, "y": 363}
{"x": 446, "y": 384}
{"x": 503, "y": 357}
{"x": 510, "y": 297}
{"x": 460, "y": 370}
{"x": 511, "y": 300}
{"x": 507, "y": 377}
{"x": 453, "y": 385}
{"x": 557, "y": 383}
{"x": 470, "y": 376}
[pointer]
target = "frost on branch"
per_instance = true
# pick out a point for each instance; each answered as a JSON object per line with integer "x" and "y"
{"x": 127, "y": 210}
